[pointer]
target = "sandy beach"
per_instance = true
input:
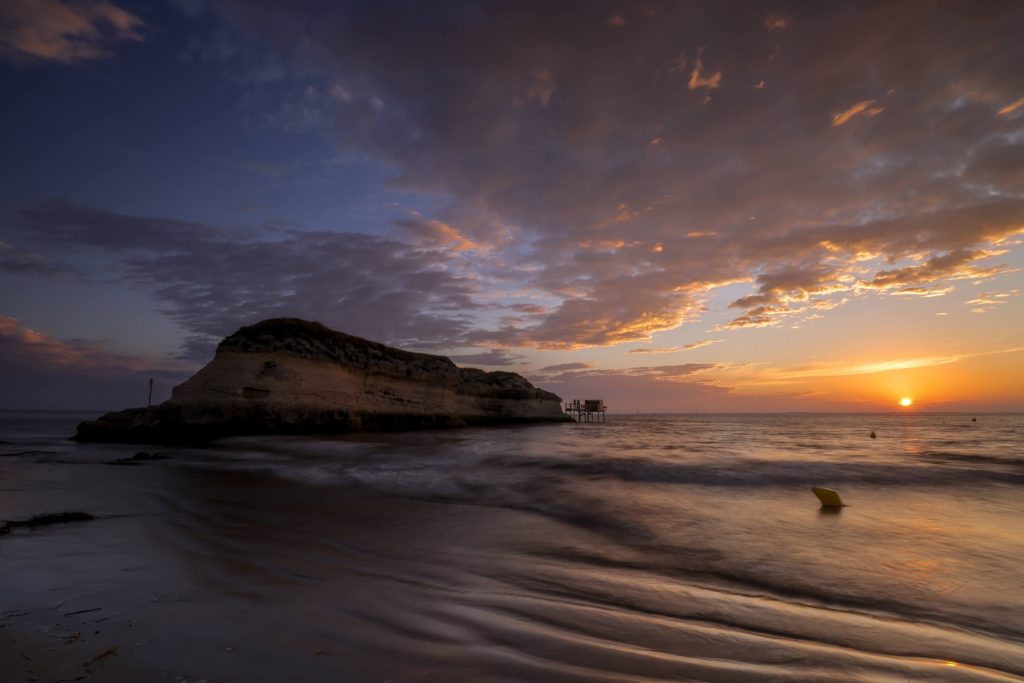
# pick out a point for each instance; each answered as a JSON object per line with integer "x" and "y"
{"x": 520, "y": 554}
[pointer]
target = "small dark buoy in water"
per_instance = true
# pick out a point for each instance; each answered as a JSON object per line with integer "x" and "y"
{"x": 829, "y": 497}
{"x": 873, "y": 435}
{"x": 974, "y": 419}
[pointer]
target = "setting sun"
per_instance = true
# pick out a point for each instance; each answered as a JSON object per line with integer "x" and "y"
{"x": 906, "y": 402}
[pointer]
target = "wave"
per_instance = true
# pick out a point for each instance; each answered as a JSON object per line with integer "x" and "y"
{"x": 767, "y": 473}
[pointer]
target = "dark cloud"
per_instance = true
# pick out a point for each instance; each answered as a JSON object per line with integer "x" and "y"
{"x": 788, "y": 284}
{"x": 15, "y": 260}
{"x": 211, "y": 282}
{"x": 62, "y": 223}
{"x": 59, "y": 31}
{"x": 999, "y": 166}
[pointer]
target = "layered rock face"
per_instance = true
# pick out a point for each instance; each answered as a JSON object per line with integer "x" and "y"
{"x": 293, "y": 376}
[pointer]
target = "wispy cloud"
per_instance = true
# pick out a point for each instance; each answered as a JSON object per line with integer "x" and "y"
{"x": 986, "y": 301}
{"x": 444, "y": 235}
{"x": 923, "y": 292}
{"x": 570, "y": 372}
{"x": 491, "y": 358}
{"x": 566, "y": 367}
{"x": 770, "y": 375}
{"x": 674, "y": 349}
{"x": 865, "y": 108}
{"x": 1011, "y": 107}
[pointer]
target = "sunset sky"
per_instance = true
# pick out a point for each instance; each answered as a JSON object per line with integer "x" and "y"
{"x": 674, "y": 206}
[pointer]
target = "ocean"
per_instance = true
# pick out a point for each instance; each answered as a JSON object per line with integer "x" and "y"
{"x": 651, "y": 547}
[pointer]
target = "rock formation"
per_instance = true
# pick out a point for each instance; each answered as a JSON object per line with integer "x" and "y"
{"x": 291, "y": 376}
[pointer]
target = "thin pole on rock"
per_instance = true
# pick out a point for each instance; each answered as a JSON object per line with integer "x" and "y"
{"x": 149, "y": 401}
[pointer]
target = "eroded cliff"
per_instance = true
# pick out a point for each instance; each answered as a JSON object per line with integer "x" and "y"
{"x": 287, "y": 375}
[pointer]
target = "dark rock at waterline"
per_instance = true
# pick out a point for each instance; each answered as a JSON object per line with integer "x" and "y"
{"x": 7, "y": 527}
{"x": 139, "y": 457}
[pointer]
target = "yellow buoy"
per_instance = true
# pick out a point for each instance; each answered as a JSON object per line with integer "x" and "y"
{"x": 829, "y": 498}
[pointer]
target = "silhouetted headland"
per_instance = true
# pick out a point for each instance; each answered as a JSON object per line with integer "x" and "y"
{"x": 292, "y": 376}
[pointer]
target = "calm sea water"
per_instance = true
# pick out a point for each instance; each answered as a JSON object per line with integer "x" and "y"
{"x": 648, "y": 548}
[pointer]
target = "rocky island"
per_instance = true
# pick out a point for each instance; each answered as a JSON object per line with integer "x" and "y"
{"x": 292, "y": 376}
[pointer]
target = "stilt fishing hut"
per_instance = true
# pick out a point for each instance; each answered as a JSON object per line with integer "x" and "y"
{"x": 588, "y": 410}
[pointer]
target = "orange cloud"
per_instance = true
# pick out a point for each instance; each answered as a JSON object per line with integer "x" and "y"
{"x": 699, "y": 80}
{"x": 776, "y": 21}
{"x": 768, "y": 375}
{"x": 435, "y": 232}
{"x": 986, "y": 301}
{"x": 35, "y": 343}
{"x": 32, "y": 346}
{"x": 451, "y": 237}
{"x": 923, "y": 292}
{"x": 954, "y": 265}
{"x": 1010, "y": 108}
{"x": 864, "y": 108}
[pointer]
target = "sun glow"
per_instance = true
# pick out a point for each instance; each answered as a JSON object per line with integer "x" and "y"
{"x": 906, "y": 401}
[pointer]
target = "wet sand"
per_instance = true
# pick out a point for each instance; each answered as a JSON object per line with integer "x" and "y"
{"x": 48, "y": 652}
{"x": 256, "y": 578}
